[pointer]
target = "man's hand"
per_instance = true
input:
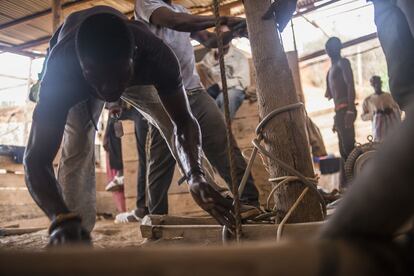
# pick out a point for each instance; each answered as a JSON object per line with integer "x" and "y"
{"x": 69, "y": 232}
{"x": 232, "y": 21}
{"x": 282, "y": 11}
{"x": 212, "y": 201}
{"x": 350, "y": 117}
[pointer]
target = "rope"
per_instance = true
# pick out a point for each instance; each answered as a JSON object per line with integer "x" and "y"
{"x": 310, "y": 183}
{"x": 230, "y": 139}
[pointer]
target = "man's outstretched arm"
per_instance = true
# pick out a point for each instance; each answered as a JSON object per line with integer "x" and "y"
{"x": 44, "y": 141}
{"x": 43, "y": 145}
{"x": 188, "y": 146}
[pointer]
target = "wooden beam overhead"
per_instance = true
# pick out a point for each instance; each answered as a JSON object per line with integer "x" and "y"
{"x": 344, "y": 44}
{"x": 30, "y": 17}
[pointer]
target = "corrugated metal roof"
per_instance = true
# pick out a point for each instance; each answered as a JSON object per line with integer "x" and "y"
{"x": 36, "y": 28}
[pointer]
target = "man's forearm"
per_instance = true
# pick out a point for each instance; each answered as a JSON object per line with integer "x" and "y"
{"x": 212, "y": 40}
{"x": 184, "y": 22}
{"x": 188, "y": 144}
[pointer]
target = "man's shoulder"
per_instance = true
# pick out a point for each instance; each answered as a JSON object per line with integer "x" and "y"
{"x": 344, "y": 62}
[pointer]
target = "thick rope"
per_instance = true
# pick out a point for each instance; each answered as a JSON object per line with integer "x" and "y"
{"x": 310, "y": 183}
{"x": 230, "y": 139}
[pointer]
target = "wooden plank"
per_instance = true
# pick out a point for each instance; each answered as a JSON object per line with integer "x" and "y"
{"x": 152, "y": 220}
{"x": 19, "y": 231}
{"x": 128, "y": 126}
{"x": 183, "y": 204}
{"x": 6, "y": 163}
{"x": 298, "y": 258}
{"x": 130, "y": 178}
{"x": 129, "y": 147}
{"x": 105, "y": 203}
{"x": 101, "y": 180}
{"x": 15, "y": 196}
{"x": 13, "y": 212}
{"x": 213, "y": 233}
{"x": 12, "y": 180}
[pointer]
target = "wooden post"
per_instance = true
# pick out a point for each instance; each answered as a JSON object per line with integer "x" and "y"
{"x": 56, "y": 14}
{"x": 285, "y": 135}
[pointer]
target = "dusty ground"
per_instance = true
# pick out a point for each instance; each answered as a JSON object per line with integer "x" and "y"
{"x": 105, "y": 235}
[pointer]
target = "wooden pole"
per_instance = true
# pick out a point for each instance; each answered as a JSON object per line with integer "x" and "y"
{"x": 56, "y": 14}
{"x": 285, "y": 135}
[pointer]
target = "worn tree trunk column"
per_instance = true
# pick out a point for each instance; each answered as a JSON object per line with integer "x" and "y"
{"x": 285, "y": 136}
{"x": 56, "y": 14}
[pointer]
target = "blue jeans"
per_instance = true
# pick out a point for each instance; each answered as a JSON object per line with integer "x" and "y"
{"x": 236, "y": 97}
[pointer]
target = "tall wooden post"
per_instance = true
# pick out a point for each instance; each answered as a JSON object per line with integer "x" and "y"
{"x": 56, "y": 14}
{"x": 285, "y": 135}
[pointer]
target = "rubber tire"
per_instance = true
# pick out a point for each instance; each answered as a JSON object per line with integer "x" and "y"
{"x": 353, "y": 157}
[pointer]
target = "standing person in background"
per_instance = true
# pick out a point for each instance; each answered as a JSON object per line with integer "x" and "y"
{"x": 382, "y": 110}
{"x": 340, "y": 87}
{"x": 112, "y": 144}
{"x": 237, "y": 73}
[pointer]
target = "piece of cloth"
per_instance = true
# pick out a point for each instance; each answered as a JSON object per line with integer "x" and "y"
{"x": 214, "y": 140}
{"x": 236, "y": 98}
{"x": 386, "y": 184}
{"x": 384, "y": 113}
{"x": 155, "y": 63}
{"x": 237, "y": 68}
{"x": 179, "y": 42}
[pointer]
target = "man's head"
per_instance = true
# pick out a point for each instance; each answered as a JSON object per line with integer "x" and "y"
{"x": 376, "y": 83}
{"x": 226, "y": 47}
{"x": 333, "y": 47}
{"x": 105, "y": 50}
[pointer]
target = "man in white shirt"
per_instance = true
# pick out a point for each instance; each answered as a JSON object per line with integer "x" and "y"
{"x": 237, "y": 74}
{"x": 382, "y": 110}
{"x": 176, "y": 27}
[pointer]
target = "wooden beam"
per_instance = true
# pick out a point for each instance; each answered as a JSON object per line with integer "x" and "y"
{"x": 56, "y": 14}
{"x": 309, "y": 258}
{"x": 20, "y": 52}
{"x": 346, "y": 44}
{"x": 30, "y": 17}
{"x": 285, "y": 135}
{"x": 208, "y": 232}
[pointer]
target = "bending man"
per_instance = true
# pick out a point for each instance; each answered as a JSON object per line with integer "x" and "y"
{"x": 98, "y": 54}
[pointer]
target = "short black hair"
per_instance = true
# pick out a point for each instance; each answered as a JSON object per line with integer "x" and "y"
{"x": 333, "y": 41}
{"x": 104, "y": 37}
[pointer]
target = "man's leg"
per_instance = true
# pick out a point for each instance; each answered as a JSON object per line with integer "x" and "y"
{"x": 161, "y": 163}
{"x": 236, "y": 97}
{"x": 161, "y": 171}
{"x": 76, "y": 173}
{"x": 141, "y": 131}
{"x": 213, "y": 129}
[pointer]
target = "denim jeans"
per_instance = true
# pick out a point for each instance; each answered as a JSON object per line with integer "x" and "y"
{"x": 236, "y": 97}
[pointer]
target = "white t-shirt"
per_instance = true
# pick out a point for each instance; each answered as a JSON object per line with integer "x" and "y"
{"x": 237, "y": 68}
{"x": 179, "y": 42}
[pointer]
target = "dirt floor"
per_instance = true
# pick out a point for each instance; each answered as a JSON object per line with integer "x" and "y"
{"x": 105, "y": 235}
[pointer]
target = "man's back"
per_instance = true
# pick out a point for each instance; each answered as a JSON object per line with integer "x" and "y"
{"x": 336, "y": 83}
